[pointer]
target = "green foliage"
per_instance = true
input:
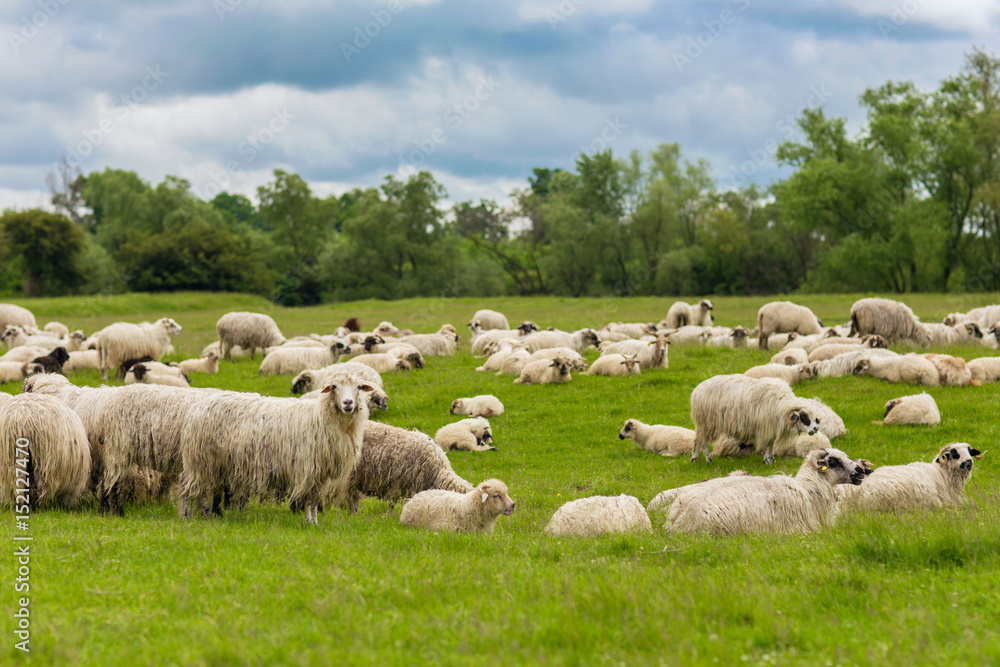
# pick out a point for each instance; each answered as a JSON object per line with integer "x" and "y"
{"x": 45, "y": 247}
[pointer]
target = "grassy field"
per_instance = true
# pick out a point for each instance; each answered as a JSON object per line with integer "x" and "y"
{"x": 261, "y": 587}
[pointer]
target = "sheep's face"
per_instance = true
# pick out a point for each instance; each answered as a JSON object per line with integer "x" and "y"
{"x": 631, "y": 365}
{"x": 386, "y": 329}
{"x": 60, "y": 355}
{"x": 416, "y": 360}
{"x": 78, "y": 336}
{"x": 972, "y": 330}
{"x": 484, "y": 436}
{"x": 890, "y": 405}
{"x": 861, "y": 368}
{"x": 403, "y": 365}
{"x": 706, "y": 304}
{"x": 527, "y": 327}
{"x": 494, "y": 496}
{"x": 739, "y": 334}
{"x": 792, "y": 336}
{"x": 995, "y": 330}
{"x": 211, "y": 356}
{"x": 835, "y": 466}
{"x": 172, "y": 327}
{"x": 865, "y": 465}
{"x": 339, "y": 349}
{"x": 953, "y": 319}
{"x": 800, "y": 419}
{"x": 139, "y": 371}
{"x": 347, "y": 397}
{"x": 591, "y": 337}
{"x": 458, "y": 407}
{"x": 628, "y": 431}
{"x": 561, "y": 365}
{"x": 11, "y": 332}
{"x": 475, "y": 326}
{"x": 378, "y": 400}
{"x": 958, "y": 457}
{"x": 874, "y": 341}
{"x": 807, "y": 371}
{"x": 302, "y": 383}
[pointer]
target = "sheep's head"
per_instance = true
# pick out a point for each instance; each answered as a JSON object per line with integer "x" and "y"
{"x": 792, "y": 336}
{"x": 348, "y": 396}
{"x": 494, "y": 496}
{"x": 957, "y": 458}
{"x": 371, "y": 341}
{"x": 862, "y": 367}
{"x": 865, "y": 465}
{"x": 830, "y": 333}
{"x": 631, "y": 364}
{"x": 379, "y": 400}
{"x": 953, "y": 319}
{"x": 995, "y": 330}
{"x": 740, "y": 333}
{"x": 972, "y": 330}
{"x": 561, "y": 365}
{"x": 705, "y": 304}
{"x": 303, "y": 382}
{"x": 835, "y": 466}
{"x": 139, "y": 371}
{"x": 590, "y": 337}
{"x": 475, "y": 326}
{"x": 403, "y": 365}
{"x": 172, "y": 327}
{"x": 416, "y": 360}
{"x": 211, "y": 355}
{"x": 386, "y": 329}
{"x": 629, "y": 429}
{"x": 78, "y": 336}
{"x": 10, "y": 332}
{"x": 890, "y": 405}
{"x": 807, "y": 371}
{"x": 30, "y": 368}
{"x": 649, "y": 328}
{"x": 874, "y": 341}
{"x": 458, "y": 406}
{"x": 800, "y": 419}
{"x": 39, "y": 381}
{"x": 339, "y": 348}
{"x": 527, "y": 326}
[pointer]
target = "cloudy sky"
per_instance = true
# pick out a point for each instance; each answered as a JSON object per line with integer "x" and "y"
{"x": 221, "y": 92}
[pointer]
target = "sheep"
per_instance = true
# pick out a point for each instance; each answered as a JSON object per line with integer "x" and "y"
{"x": 651, "y": 354}
{"x": 486, "y": 405}
{"x": 544, "y": 371}
{"x": 258, "y": 445}
{"x": 618, "y": 331}
{"x": 662, "y": 501}
{"x": 984, "y": 369}
{"x": 964, "y": 333}
{"x": 790, "y": 374}
{"x": 758, "y": 412}
{"x": 802, "y": 444}
{"x": 23, "y": 353}
{"x": 395, "y": 463}
{"x": 577, "y": 341}
{"x": 13, "y": 371}
{"x": 248, "y": 330}
{"x": 481, "y": 341}
{"x": 785, "y": 317}
{"x": 918, "y": 409}
{"x": 993, "y": 342}
{"x": 208, "y": 364}
{"x": 469, "y": 435}
{"x": 377, "y": 399}
{"x": 17, "y": 336}
{"x": 869, "y": 341}
{"x": 826, "y": 352}
{"x": 490, "y": 319}
{"x": 383, "y": 363}
{"x": 737, "y": 337}
{"x": 791, "y": 357}
{"x": 952, "y": 371}
{"x": 688, "y": 335}
{"x": 615, "y": 365}
{"x": 395, "y": 349}
{"x": 575, "y": 359}
{"x": 294, "y": 360}
{"x": 909, "y": 368}
{"x": 503, "y": 349}
{"x": 830, "y": 423}
{"x": 312, "y": 380}
{"x": 844, "y": 364}
{"x": 123, "y": 340}
{"x": 57, "y": 329}
{"x": 776, "y": 504}
{"x": 440, "y": 344}
{"x": 663, "y": 440}
{"x": 598, "y": 515}
{"x": 57, "y": 451}
{"x": 235, "y": 351}
{"x": 475, "y": 511}
{"x": 140, "y": 374}
{"x": 985, "y": 317}
{"x": 916, "y": 485}
{"x": 11, "y": 314}
{"x": 892, "y": 320}
{"x": 53, "y": 361}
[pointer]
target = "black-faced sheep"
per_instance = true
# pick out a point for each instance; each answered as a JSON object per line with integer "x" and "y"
{"x": 141, "y": 374}
{"x": 475, "y": 511}
{"x": 598, "y": 515}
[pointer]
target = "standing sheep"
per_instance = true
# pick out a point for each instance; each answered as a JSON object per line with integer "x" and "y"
{"x": 470, "y": 435}
{"x": 544, "y": 371}
{"x": 892, "y": 320}
{"x": 663, "y": 440}
{"x": 682, "y": 314}
{"x": 123, "y": 340}
{"x": 615, "y": 365}
{"x": 598, "y": 515}
{"x": 918, "y": 409}
{"x": 490, "y": 319}
{"x": 486, "y": 405}
{"x": 11, "y": 314}
{"x": 785, "y": 317}
{"x": 247, "y": 330}
{"x": 475, "y": 511}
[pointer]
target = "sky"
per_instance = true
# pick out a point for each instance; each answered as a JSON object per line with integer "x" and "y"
{"x": 222, "y": 92}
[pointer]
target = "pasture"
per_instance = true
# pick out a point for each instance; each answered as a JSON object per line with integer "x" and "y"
{"x": 261, "y": 587}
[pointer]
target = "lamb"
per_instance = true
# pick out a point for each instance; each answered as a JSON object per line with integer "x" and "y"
{"x": 491, "y": 319}
{"x": 248, "y": 330}
{"x": 577, "y": 341}
{"x": 776, "y": 504}
{"x": 760, "y": 412}
{"x": 615, "y": 365}
{"x": 140, "y": 374}
{"x": 57, "y": 329}
{"x": 469, "y": 435}
{"x": 916, "y": 485}
{"x": 918, "y": 409}
{"x": 952, "y": 371}
{"x": 909, "y": 368}
{"x": 475, "y": 511}
{"x": 51, "y": 436}
{"x": 598, "y": 515}
{"x": 486, "y": 405}
{"x": 892, "y": 320}
{"x": 663, "y": 440}
{"x": 785, "y": 317}
{"x": 294, "y": 360}
{"x": 650, "y": 355}
{"x": 256, "y": 445}
{"x": 11, "y": 314}
{"x": 984, "y": 369}
{"x": 123, "y": 340}
{"x": 790, "y": 374}
{"x": 53, "y": 361}
{"x": 503, "y": 349}
{"x": 544, "y": 371}
{"x": 395, "y": 464}
{"x": 791, "y": 357}
{"x": 209, "y": 364}
{"x": 383, "y": 363}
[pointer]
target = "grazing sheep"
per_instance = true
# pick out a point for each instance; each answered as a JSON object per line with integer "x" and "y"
{"x": 123, "y": 340}
{"x": 663, "y": 440}
{"x": 209, "y": 364}
{"x": 475, "y": 511}
{"x": 491, "y": 319}
{"x": 790, "y": 374}
{"x": 916, "y": 485}
{"x": 248, "y": 330}
{"x": 682, "y": 314}
{"x": 890, "y": 319}
{"x": 247, "y": 444}
{"x": 294, "y": 360}
{"x": 53, "y": 361}
{"x": 909, "y": 368}
{"x": 984, "y": 369}
{"x": 952, "y": 371}
{"x": 918, "y": 409}
{"x": 830, "y": 423}
{"x": 11, "y": 314}
{"x": 543, "y": 371}
{"x": 383, "y": 363}
{"x": 469, "y": 435}
{"x": 395, "y": 463}
{"x": 486, "y": 405}
{"x": 757, "y": 412}
{"x": 140, "y": 374}
{"x": 776, "y": 504}
{"x": 577, "y": 341}
{"x": 785, "y": 317}
{"x": 615, "y": 365}
{"x": 791, "y": 357}
{"x": 652, "y": 354}
{"x": 598, "y": 515}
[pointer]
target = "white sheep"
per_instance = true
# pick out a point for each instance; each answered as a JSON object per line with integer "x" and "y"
{"x": 294, "y": 360}
{"x": 575, "y": 359}
{"x": 757, "y": 412}
{"x": 544, "y": 371}
{"x": 475, "y": 511}
{"x": 485, "y": 405}
{"x": 17, "y": 336}
{"x": 441, "y": 344}
{"x": 791, "y": 357}
{"x": 917, "y": 409}
{"x": 844, "y": 364}
{"x": 122, "y": 341}
{"x": 651, "y": 354}
{"x": 890, "y": 319}
{"x": 790, "y": 374}
{"x": 11, "y": 314}
{"x": 577, "y": 341}
{"x": 249, "y": 331}
{"x": 984, "y": 369}
{"x": 140, "y": 374}
{"x": 830, "y": 423}
{"x": 383, "y": 363}
{"x": 502, "y": 350}
{"x": 916, "y": 485}
{"x": 490, "y": 319}
{"x": 952, "y": 371}
{"x": 619, "y": 331}
{"x": 23, "y": 353}
{"x": 785, "y": 317}
{"x": 908, "y": 368}
{"x": 598, "y": 515}
{"x": 737, "y": 337}
{"x": 688, "y": 335}
{"x": 615, "y": 365}
{"x": 682, "y": 314}
{"x": 469, "y": 435}
{"x": 57, "y": 329}
{"x": 13, "y": 371}
{"x": 482, "y": 340}
{"x": 662, "y": 501}
{"x": 964, "y": 333}
{"x": 312, "y": 380}
{"x": 208, "y": 364}
{"x": 515, "y": 362}
{"x": 659, "y": 439}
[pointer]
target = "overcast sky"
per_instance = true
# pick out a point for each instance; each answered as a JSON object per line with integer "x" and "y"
{"x": 222, "y": 92}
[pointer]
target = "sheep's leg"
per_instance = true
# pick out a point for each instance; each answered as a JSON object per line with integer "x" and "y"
{"x": 699, "y": 444}
{"x": 481, "y": 448}
{"x": 217, "y": 503}
{"x": 769, "y": 454}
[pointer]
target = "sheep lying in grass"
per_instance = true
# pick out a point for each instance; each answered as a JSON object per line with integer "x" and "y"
{"x": 485, "y": 405}
{"x": 515, "y": 362}
{"x": 17, "y": 336}
{"x": 664, "y": 499}
{"x": 502, "y": 350}
{"x": 577, "y": 341}
{"x": 830, "y": 423}
{"x": 470, "y": 435}
{"x": 791, "y": 357}
{"x": 82, "y": 359}
{"x": 826, "y": 352}
{"x": 141, "y": 374}
{"x": 575, "y": 359}
{"x": 208, "y": 364}
{"x": 615, "y": 365}
{"x": 908, "y": 368}
{"x": 294, "y": 360}
{"x": 441, "y": 344}
{"x": 481, "y": 341}
{"x": 952, "y": 371}
{"x": 490, "y": 319}
{"x": 652, "y": 354}
{"x": 965, "y": 333}
{"x": 23, "y": 354}
{"x": 598, "y": 515}
{"x": 123, "y": 340}
{"x": 737, "y": 337}
{"x": 544, "y": 371}
{"x": 688, "y": 335}
{"x": 916, "y": 485}
{"x": 12, "y": 371}
{"x": 844, "y": 364}
{"x": 984, "y": 369}
{"x": 890, "y": 319}
{"x": 918, "y": 409}
{"x": 395, "y": 464}
{"x": 785, "y": 317}
{"x": 475, "y": 511}
{"x": 663, "y": 440}
{"x": 790, "y": 374}
{"x": 383, "y": 363}
{"x": 619, "y": 331}
{"x": 776, "y": 504}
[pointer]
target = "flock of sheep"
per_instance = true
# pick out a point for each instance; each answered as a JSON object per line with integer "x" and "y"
{"x": 215, "y": 449}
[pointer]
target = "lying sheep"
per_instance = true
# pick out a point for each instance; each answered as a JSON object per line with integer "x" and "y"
{"x": 56, "y": 329}
{"x": 615, "y": 365}
{"x": 13, "y": 371}
{"x": 294, "y": 360}
{"x": 441, "y": 344}
{"x": 663, "y": 500}
{"x": 22, "y": 354}
{"x": 575, "y": 359}
{"x": 544, "y": 371}
{"x": 82, "y": 359}
{"x": 844, "y": 364}
{"x": 790, "y": 374}
{"x": 122, "y": 340}
{"x": 312, "y": 380}
{"x": 470, "y": 435}
{"x": 598, "y": 515}
{"x": 952, "y": 371}
{"x": 480, "y": 341}
{"x": 140, "y": 374}
{"x": 652, "y": 354}
{"x": 737, "y": 337}
{"x": 827, "y": 352}
{"x": 577, "y": 341}
{"x": 502, "y": 350}
{"x": 916, "y": 485}
{"x": 830, "y": 423}
{"x": 619, "y": 331}
{"x": 490, "y": 319}
{"x": 383, "y": 363}
{"x": 791, "y": 357}
{"x": 475, "y": 511}
{"x": 785, "y": 317}
{"x": 17, "y": 336}
{"x": 208, "y": 364}
{"x": 890, "y": 319}
{"x": 486, "y": 405}
{"x": 663, "y": 440}
{"x": 984, "y": 369}
{"x": 776, "y": 504}
{"x": 964, "y": 333}
{"x": 688, "y": 335}
{"x": 908, "y": 368}
{"x": 515, "y": 362}
{"x": 918, "y": 409}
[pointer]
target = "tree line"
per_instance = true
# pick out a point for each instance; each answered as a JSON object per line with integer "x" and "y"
{"x": 912, "y": 203}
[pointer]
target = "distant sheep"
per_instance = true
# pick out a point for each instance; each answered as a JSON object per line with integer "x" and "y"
{"x": 652, "y": 354}
{"x": 12, "y": 371}
{"x": 890, "y": 319}
{"x": 844, "y": 364}
{"x": 615, "y": 365}
{"x": 577, "y": 341}
{"x": 248, "y": 330}
{"x": 24, "y": 353}
{"x": 659, "y": 439}
{"x": 737, "y": 337}
{"x": 984, "y": 369}
{"x": 294, "y": 360}
{"x": 208, "y": 364}
{"x": 785, "y": 317}
{"x": 830, "y": 423}
{"x": 475, "y": 511}
{"x": 11, "y": 314}
{"x": 598, "y": 515}
{"x": 918, "y": 409}
{"x": 491, "y": 319}
{"x": 682, "y": 314}
{"x": 543, "y": 371}
{"x": 964, "y": 333}
{"x": 123, "y": 340}
{"x": 470, "y": 435}
{"x": 907, "y": 368}
{"x": 503, "y": 349}
{"x": 575, "y": 359}
{"x": 485, "y": 405}
{"x": 791, "y": 357}
{"x": 790, "y": 374}
{"x": 56, "y": 329}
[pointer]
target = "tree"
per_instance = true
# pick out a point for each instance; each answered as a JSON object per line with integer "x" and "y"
{"x": 290, "y": 211}
{"x": 46, "y": 246}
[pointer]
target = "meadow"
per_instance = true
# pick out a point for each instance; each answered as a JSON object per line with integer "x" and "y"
{"x": 259, "y": 587}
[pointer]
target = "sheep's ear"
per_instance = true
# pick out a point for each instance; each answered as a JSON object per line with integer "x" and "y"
{"x": 365, "y": 387}
{"x": 485, "y": 497}
{"x": 976, "y": 454}
{"x": 327, "y": 388}
{"x": 552, "y": 364}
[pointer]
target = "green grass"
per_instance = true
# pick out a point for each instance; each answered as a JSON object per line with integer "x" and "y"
{"x": 260, "y": 587}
